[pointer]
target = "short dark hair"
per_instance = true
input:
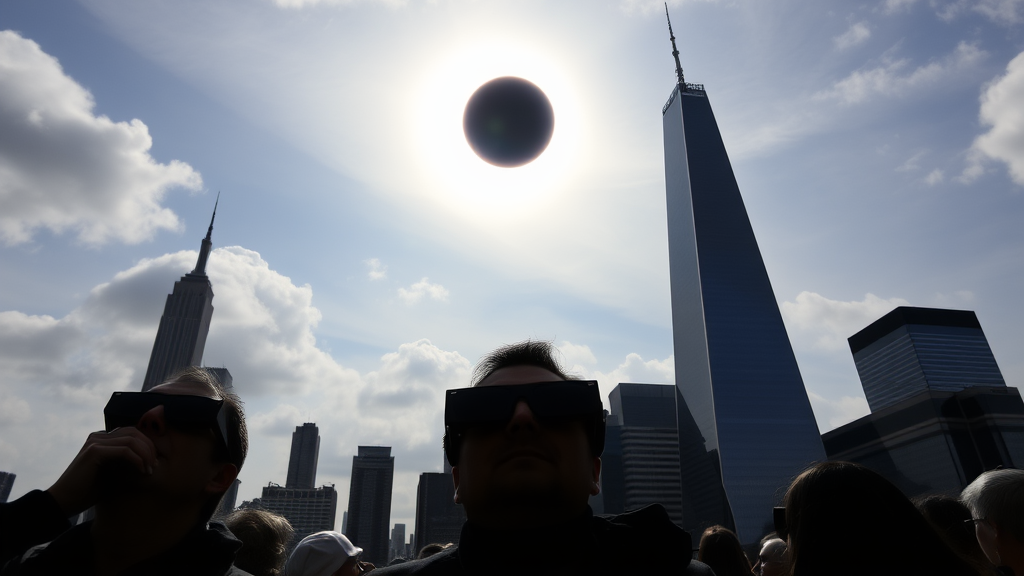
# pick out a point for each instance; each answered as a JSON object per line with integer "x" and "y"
{"x": 540, "y": 353}
{"x": 265, "y": 538}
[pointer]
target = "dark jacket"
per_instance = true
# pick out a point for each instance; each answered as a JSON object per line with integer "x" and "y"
{"x": 208, "y": 550}
{"x": 644, "y": 542}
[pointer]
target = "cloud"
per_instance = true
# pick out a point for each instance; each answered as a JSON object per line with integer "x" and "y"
{"x": 377, "y": 271}
{"x": 857, "y": 34}
{"x": 897, "y": 6}
{"x": 934, "y": 177}
{"x": 912, "y": 163}
{"x": 1001, "y": 111}
{"x": 59, "y": 372}
{"x": 417, "y": 291}
{"x": 635, "y": 369}
{"x": 830, "y": 322}
{"x": 835, "y": 413}
{"x": 890, "y": 80}
{"x": 63, "y": 168}
{"x": 575, "y": 356}
{"x": 1005, "y": 12}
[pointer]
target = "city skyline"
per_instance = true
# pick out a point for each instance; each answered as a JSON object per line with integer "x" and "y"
{"x": 366, "y": 259}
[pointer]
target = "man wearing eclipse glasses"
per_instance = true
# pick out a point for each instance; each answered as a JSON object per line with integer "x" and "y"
{"x": 155, "y": 476}
{"x": 525, "y": 443}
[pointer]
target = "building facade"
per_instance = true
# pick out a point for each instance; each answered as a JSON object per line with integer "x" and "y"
{"x": 309, "y": 510}
{"x": 642, "y": 466}
{"x": 911, "y": 350}
{"x": 304, "y": 455}
{"x": 369, "y": 502}
{"x": 734, "y": 364}
{"x": 439, "y": 519}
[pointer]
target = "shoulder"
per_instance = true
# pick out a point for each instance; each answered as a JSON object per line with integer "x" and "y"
{"x": 648, "y": 539}
{"x": 444, "y": 563}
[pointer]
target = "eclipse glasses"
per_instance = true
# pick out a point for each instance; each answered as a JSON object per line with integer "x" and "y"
{"x": 181, "y": 412}
{"x": 491, "y": 407}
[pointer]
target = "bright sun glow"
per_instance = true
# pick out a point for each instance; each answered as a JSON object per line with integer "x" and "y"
{"x": 451, "y": 171}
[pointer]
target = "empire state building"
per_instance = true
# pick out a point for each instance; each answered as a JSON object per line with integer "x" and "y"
{"x": 181, "y": 337}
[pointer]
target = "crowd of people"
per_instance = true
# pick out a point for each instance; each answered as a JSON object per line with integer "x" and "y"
{"x": 524, "y": 441}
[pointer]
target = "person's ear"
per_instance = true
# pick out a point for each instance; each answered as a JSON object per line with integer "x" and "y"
{"x": 221, "y": 481}
{"x": 595, "y": 487}
{"x": 455, "y": 480}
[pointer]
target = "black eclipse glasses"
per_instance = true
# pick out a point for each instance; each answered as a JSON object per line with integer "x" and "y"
{"x": 551, "y": 403}
{"x": 181, "y": 412}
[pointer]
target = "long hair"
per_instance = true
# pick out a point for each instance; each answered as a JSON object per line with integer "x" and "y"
{"x": 721, "y": 550}
{"x": 845, "y": 519}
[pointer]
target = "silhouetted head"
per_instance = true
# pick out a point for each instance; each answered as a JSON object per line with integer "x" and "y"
{"x": 996, "y": 501}
{"x": 773, "y": 558}
{"x": 525, "y": 440}
{"x": 952, "y": 520}
{"x": 842, "y": 518}
{"x": 721, "y": 550}
{"x": 265, "y": 537}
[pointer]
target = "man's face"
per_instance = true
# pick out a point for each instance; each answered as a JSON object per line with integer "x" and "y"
{"x": 185, "y": 464}
{"x": 525, "y": 462}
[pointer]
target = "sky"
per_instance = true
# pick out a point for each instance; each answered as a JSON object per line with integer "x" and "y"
{"x": 365, "y": 259}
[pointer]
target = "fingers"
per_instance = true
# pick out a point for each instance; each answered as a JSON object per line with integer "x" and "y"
{"x": 136, "y": 448}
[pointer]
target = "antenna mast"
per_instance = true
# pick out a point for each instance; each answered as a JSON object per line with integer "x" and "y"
{"x": 675, "y": 51}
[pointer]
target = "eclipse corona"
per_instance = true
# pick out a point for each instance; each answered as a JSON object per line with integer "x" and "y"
{"x": 508, "y": 122}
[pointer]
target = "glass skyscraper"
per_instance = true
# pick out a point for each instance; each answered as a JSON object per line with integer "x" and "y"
{"x": 369, "y": 502}
{"x": 745, "y": 422}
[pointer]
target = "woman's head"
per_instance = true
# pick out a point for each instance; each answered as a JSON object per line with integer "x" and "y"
{"x": 721, "y": 550}
{"x": 843, "y": 518}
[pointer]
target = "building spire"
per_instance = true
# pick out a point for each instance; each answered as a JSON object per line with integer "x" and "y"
{"x": 675, "y": 51}
{"x": 204, "y": 251}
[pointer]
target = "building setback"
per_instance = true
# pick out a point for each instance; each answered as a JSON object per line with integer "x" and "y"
{"x": 734, "y": 364}
{"x": 304, "y": 455}
{"x": 369, "y": 502}
{"x": 910, "y": 350}
{"x": 439, "y": 519}
{"x": 181, "y": 336}
{"x": 309, "y": 510}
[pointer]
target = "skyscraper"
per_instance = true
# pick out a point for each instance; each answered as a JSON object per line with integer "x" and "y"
{"x": 304, "y": 456}
{"x": 308, "y": 510}
{"x": 6, "y": 485}
{"x": 397, "y": 547}
{"x": 940, "y": 411}
{"x": 181, "y": 337}
{"x": 643, "y": 467}
{"x": 369, "y": 502}
{"x": 734, "y": 364}
{"x": 438, "y": 518}
{"x": 910, "y": 350}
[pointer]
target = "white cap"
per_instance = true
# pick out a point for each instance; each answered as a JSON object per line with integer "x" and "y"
{"x": 320, "y": 554}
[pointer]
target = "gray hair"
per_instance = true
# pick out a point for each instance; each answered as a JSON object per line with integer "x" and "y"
{"x": 998, "y": 496}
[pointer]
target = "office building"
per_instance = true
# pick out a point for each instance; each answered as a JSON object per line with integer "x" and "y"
{"x": 641, "y": 461}
{"x": 369, "y": 502}
{"x": 397, "y": 548}
{"x": 309, "y": 510}
{"x": 941, "y": 413}
{"x": 304, "y": 456}
{"x": 181, "y": 336}
{"x": 910, "y": 350}
{"x": 438, "y": 518}
{"x": 734, "y": 364}
{"x": 6, "y": 485}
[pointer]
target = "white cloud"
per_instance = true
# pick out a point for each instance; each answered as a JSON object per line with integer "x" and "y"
{"x": 832, "y": 414}
{"x": 912, "y": 163}
{"x": 890, "y": 79}
{"x": 417, "y": 291}
{"x": 1005, "y": 12}
{"x": 934, "y": 177}
{"x": 896, "y": 6}
{"x": 1001, "y": 111}
{"x": 59, "y": 372}
{"x": 857, "y": 34}
{"x": 575, "y": 356}
{"x": 63, "y": 168}
{"x": 635, "y": 369}
{"x": 377, "y": 271}
{"x": 830, "y": 322}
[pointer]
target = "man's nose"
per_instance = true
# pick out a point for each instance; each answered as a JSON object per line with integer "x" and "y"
{"x": 522, "y": 418}
{"x": 152, "y": 423}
